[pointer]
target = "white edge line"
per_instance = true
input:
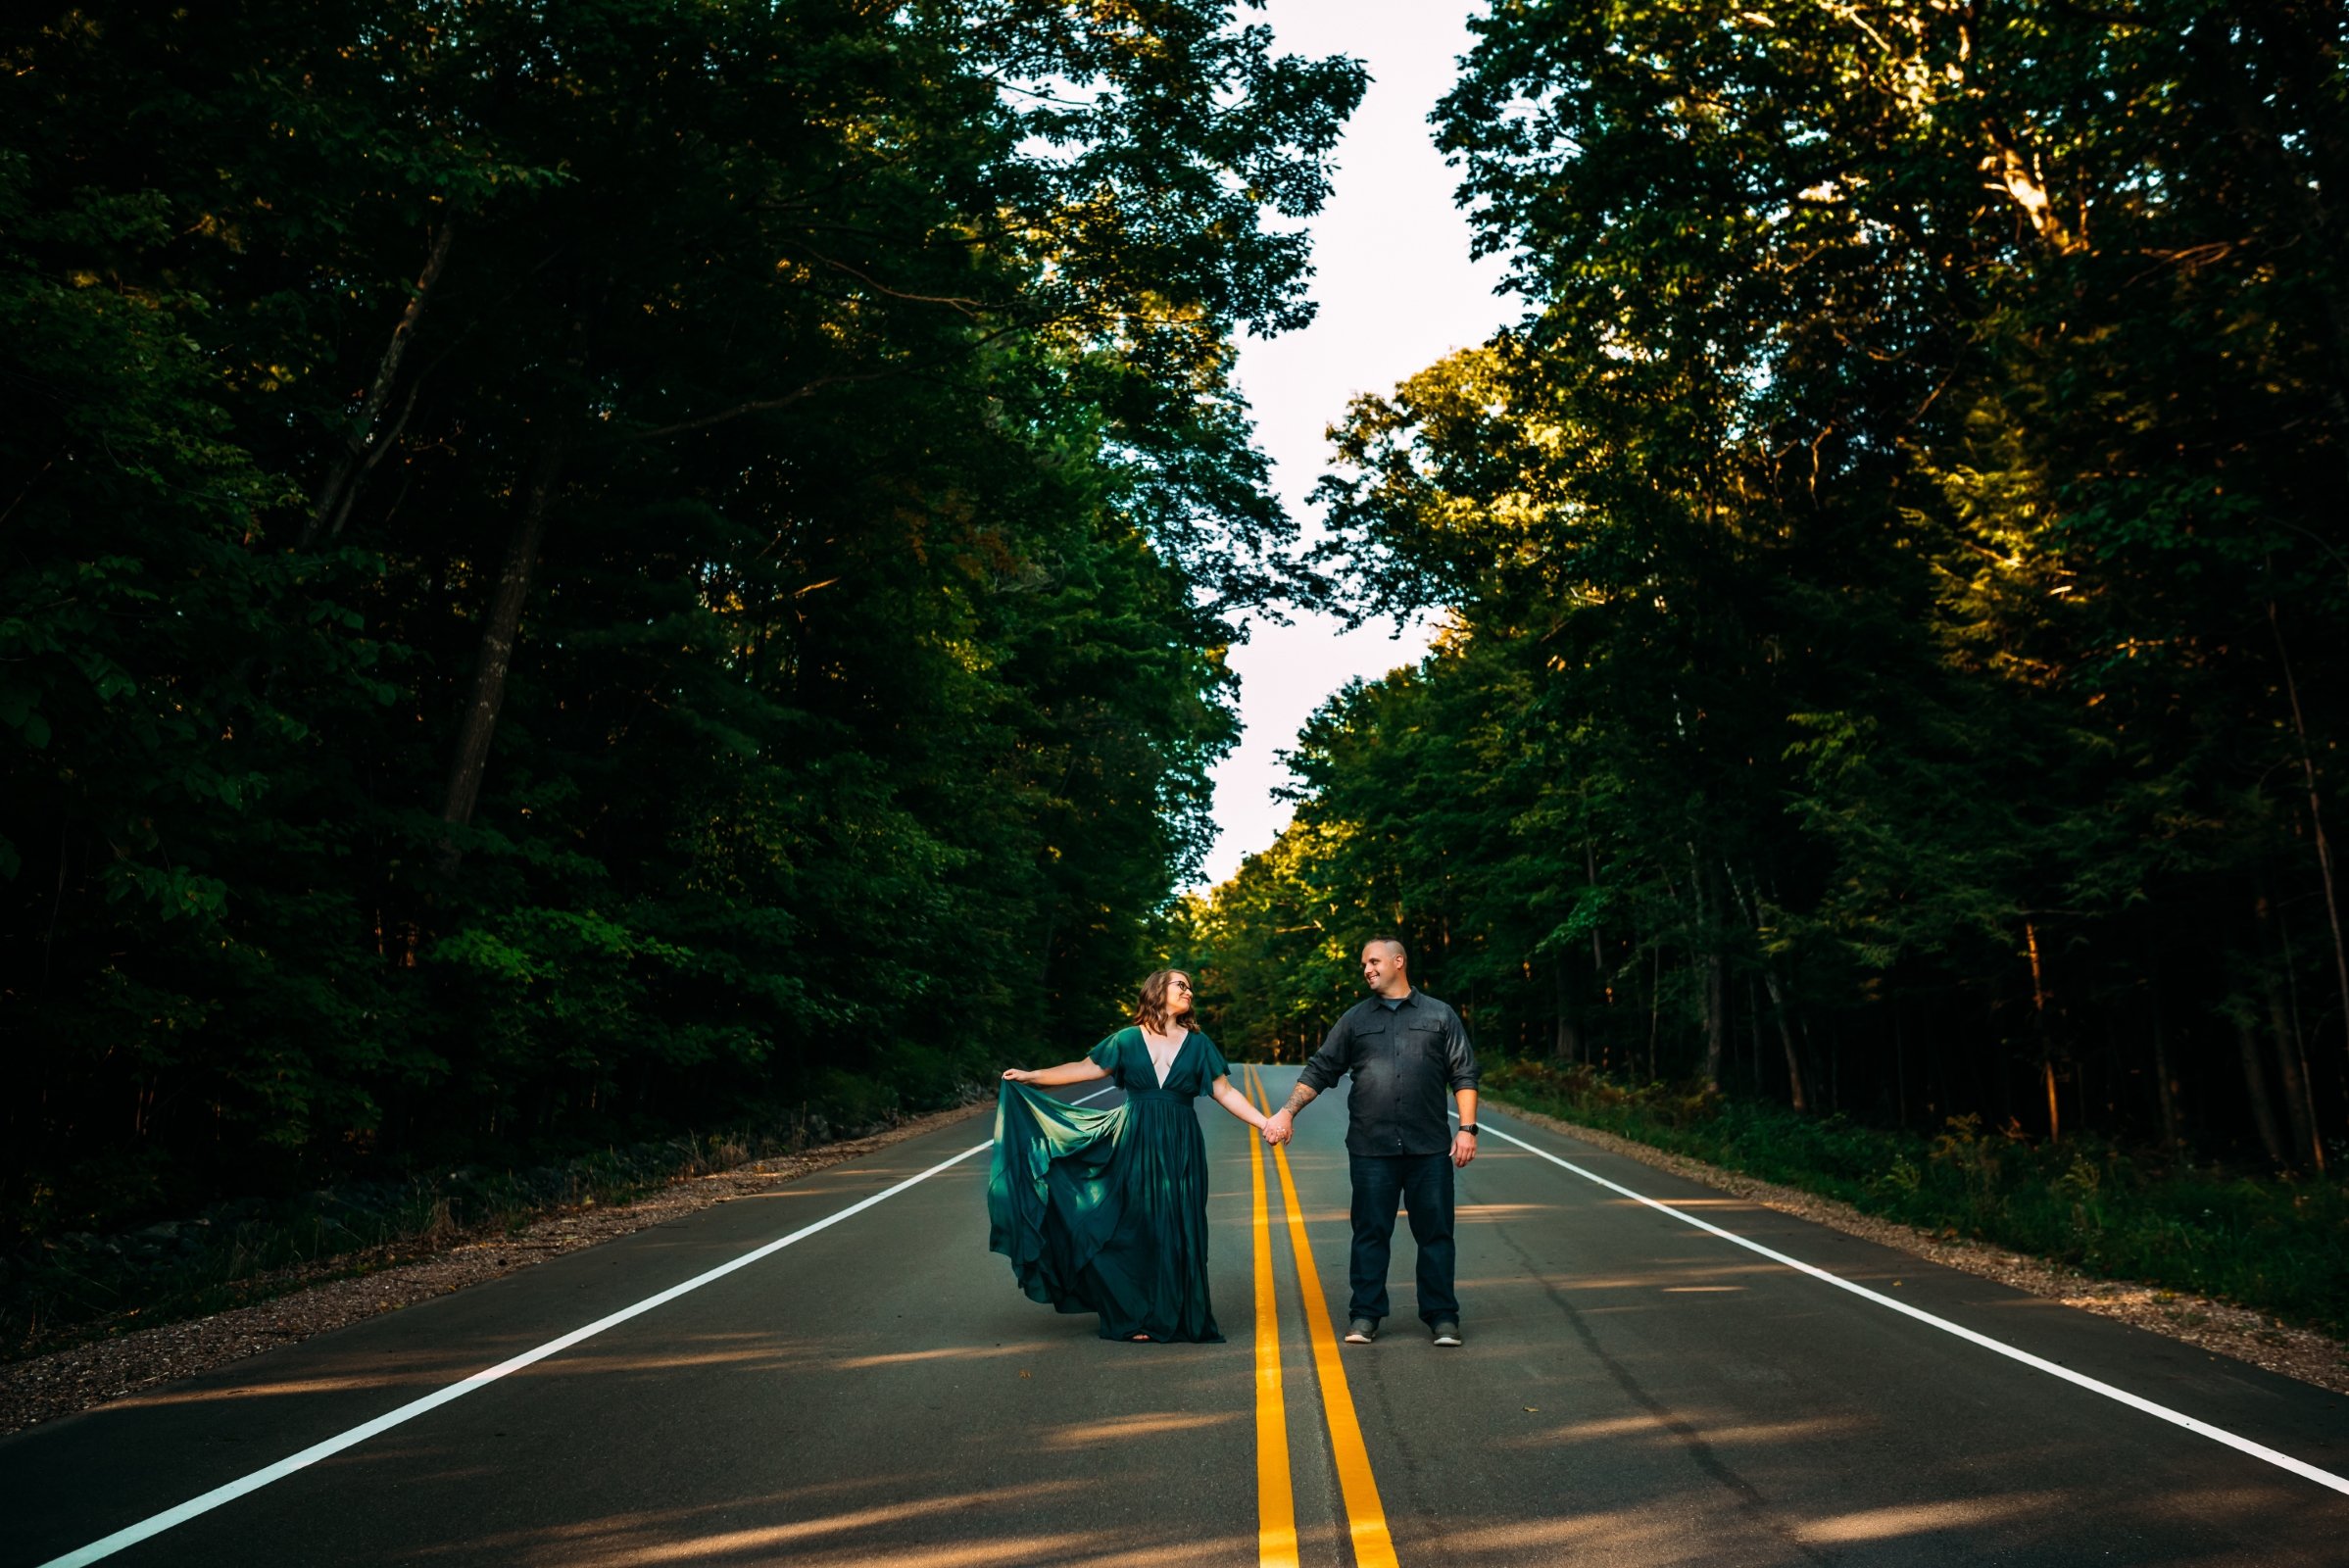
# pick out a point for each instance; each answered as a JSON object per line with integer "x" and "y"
{"x": 157, "y": 1524}
{"x": 2177, "y": 1418}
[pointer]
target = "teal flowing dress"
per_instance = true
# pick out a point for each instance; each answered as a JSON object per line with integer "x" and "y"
{"x": 1107, "y": 1211}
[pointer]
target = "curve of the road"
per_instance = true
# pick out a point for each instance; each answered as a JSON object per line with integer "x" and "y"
{"x": 842, "y": 1374}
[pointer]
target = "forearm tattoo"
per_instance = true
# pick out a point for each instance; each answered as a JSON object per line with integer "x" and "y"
{"x": 1299, "y": 1098}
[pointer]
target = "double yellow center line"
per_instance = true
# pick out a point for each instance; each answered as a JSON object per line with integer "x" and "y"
{"x": 1276, "y": 1504}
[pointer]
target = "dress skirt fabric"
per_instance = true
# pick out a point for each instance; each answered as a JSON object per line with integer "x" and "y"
{"x": 1105, "y": 1211}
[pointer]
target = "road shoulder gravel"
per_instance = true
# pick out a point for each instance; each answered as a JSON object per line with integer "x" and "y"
{"x": 82, "y": 1377}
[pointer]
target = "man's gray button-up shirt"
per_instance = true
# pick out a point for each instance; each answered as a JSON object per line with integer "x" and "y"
{"x": 1404, "y": 1061}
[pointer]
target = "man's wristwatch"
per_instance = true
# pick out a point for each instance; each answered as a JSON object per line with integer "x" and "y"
{"x": 1468, "y": 1128}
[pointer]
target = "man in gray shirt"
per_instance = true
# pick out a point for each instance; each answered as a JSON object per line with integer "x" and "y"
{"x": 1405, "y": 1050}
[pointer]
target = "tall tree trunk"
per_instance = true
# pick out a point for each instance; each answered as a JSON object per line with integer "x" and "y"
{"x": 1716, "y": 1013}
{"x": 499, "y": 630}
{"x": 1753, "y": 1029}
{"x": 1900, "y": 1069}
{"x": 1598, "y": 959}
{"x": 366, "y": 444}
{"x": 2039, "y": 1016}
{"x": 2019, "y": 171}
{"x": 1655, "y": 1008}
{"x": 1712, "y": 966}
{"x": 2316, "y": 822}
{"x": 2255, "y": 1087}
{"x": 2163, "y": 1083}
{"x": 2306, "y": 1149}
{"x": 2012, "y": 163}
{"x": 2299, "y": 1100}
{"x": 1796, "y": 1093}
{"x": 1565, "y": 1048}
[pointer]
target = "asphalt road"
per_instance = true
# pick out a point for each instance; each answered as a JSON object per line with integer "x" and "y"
{"x": 1634, "y": 1391}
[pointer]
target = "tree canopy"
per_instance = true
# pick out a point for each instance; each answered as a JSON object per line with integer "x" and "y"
{"x": 1897, "y": 572}
{"x": 584, "y": 566}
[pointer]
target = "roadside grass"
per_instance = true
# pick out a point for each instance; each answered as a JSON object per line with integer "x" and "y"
{"x": 2276, "y": 1243}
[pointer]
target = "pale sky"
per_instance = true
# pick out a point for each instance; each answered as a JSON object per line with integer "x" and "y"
{"x": 1398, "y": 292}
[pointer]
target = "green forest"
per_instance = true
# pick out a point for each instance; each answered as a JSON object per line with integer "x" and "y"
{"x": 573, "y": 572}
{"x": 1895, "y": 579}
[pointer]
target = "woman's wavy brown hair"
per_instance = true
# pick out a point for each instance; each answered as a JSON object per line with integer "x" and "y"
{"x": 1150, "y": 1010}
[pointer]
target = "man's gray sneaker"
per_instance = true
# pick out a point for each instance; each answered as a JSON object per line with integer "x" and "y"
{"x": 1447, "y": 1333}
{"x": 1361, "y": 1331}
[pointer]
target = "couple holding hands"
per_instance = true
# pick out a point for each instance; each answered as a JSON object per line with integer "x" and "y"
{"x": 1105, "y": 1211}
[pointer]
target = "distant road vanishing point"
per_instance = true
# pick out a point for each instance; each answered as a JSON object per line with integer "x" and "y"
{"x": 841, "y": 1373}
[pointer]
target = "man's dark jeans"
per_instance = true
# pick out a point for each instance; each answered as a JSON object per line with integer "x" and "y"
{"x": 1423, "y": 1182}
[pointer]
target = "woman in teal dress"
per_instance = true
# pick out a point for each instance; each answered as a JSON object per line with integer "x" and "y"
{"x": 1107, "y": 1211}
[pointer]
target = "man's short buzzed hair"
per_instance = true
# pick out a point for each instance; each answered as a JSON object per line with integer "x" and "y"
{"x": 1390, "y": 941}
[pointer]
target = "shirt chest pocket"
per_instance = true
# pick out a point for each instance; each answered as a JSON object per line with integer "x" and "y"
{"x": 1423, "y": 1045}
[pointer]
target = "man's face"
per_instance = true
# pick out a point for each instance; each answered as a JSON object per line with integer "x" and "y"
{"x": 1382, "y": 967}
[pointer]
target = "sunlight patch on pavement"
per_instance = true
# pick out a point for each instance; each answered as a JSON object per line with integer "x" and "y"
{"x": 952, "y": 1352}
{"x": 1916, "y": 1519}
{"x": 1118, "y": 1428}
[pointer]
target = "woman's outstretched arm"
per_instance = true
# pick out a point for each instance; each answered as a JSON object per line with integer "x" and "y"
{"x": 1232, "y": 1101}
{"x": 1083, "y": 1070}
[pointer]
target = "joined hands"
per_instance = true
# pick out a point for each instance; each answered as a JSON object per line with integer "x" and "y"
{"x": 1278, "y": 1127}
